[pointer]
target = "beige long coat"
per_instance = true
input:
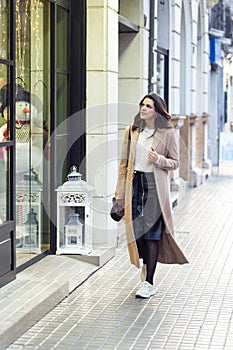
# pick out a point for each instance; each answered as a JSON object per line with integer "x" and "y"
{"x": 164, "y": 143}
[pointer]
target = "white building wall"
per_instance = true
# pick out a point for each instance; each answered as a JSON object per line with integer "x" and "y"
{"x": 183, "y": 66}
{"x": 206, "y": 61}
{"x": 133, "y": 62}
{"x": 185, "y": 60}
{"x": 133, "y": 56}
{"x": 174, "y": 51}
{"x": 194, "y": 12}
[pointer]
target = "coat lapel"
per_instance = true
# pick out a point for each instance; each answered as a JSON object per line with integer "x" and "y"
{"x": 158, "y": 136}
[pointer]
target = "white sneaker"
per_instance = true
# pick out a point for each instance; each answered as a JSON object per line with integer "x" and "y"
{"x": 145, "y": 291}
{"x": 143, "y": 273}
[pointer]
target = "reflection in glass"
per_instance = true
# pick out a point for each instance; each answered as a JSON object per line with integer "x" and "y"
{"x": 62, "y": 103}
{"x": 32, "y": 128}
{"x": 61, "y": 159}
{"x": 62, "y": 115}
{"x": 4, "y": 190}
{"x": 62, "y": 38}
{"x": 4, "y": 137}
{"x": 28, "y": 210}
{"x": 4, "y": 103}
{"x": 4, "y": 29}
{"x": 160, "y": 81}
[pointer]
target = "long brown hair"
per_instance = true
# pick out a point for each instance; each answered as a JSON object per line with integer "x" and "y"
{"x": 163, "y": 118}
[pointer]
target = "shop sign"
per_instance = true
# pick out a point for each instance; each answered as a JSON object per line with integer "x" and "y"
{"x": 215, "y": 51}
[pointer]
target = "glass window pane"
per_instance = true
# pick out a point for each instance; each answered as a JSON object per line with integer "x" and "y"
{"x": 33, "y": 130}
{"x": 62, "y": 38}
{"x": 4, "y": 189}
{"x": 62, "y": 100}
{"x": 160, "y": 81}
{"x": 62, "y": 128}
{"x": 4, "y": 29}
{"x": 4, "y": 103}
{"x": 61, "y": 160}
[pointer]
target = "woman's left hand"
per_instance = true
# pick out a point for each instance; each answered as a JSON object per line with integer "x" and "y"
{"x": 153, "y": 155}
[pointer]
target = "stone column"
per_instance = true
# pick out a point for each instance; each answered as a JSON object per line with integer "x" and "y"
{"x": 202, "y": 160}
{"x": 199, "y": 141}
{"x": 174, "y": 56}
{"x": 102, "y": 114}
{"x": 178, "y": 184}
{"x": 189, "y": 171}
{"x": 133, "y": 60}
{"x": 206, "y": 162}
{"x": 194, "y": 171}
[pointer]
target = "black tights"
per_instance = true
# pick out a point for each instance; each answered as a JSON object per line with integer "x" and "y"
{"x": 148, "y": 251}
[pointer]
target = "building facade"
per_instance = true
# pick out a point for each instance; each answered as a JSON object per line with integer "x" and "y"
{"x": 220, "y": 77}
{"x": 71, "y": 78}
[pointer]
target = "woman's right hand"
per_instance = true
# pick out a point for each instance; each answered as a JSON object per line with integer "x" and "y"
{"x": 121, "y": 202}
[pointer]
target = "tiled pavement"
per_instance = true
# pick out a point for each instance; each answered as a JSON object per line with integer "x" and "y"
{"x": 193, "y": 305}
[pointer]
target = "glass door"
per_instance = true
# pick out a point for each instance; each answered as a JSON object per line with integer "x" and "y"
{"x": 42, "y": 109}
{"x": 60, "y": 80}
{"x": 32, "y": 128}
{"x": 62, "y": 90}
{"x": 7, "y": 152}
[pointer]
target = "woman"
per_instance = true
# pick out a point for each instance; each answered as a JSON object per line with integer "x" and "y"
{"x": 143, "y": 190}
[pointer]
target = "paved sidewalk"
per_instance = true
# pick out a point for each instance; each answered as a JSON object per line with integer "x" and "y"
{"x": 193, "y": 305}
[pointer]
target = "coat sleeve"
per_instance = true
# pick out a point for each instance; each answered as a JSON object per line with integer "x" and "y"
{"x": 120, "y": 187}
{"x": 169, "y": 160}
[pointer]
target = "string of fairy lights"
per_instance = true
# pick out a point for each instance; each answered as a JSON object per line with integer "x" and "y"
{"x": 36, "y": 30}
{"x": 27, "y": 14}
{"x": 29, "y": 18}
{"x": 3, "y": 19}
{"x": 22, "y": 20}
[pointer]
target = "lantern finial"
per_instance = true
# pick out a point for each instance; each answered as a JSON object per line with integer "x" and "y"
{"x": 74, "y": 174}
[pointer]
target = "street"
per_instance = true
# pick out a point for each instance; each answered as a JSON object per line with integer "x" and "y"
{"x": 193, "y": 304}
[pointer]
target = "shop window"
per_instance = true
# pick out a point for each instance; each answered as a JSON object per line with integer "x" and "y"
{"x": 7, "y": 261}
{"x": 4, "y": 137}
{"x": 4, "y": 32}
{"x": 35, "y": 73}
{"x": 32, "y": 127}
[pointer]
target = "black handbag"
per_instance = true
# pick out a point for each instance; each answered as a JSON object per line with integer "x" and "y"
{"x": 117, "y": 212}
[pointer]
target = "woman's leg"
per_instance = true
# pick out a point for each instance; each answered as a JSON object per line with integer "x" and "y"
{"x": 141, "y": 245}
{"x": 152, "y": 249}
{"x": 136, "y": 215}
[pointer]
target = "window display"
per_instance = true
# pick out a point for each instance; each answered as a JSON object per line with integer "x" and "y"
{"x": 34, "y": 78}
{"x": 4, "y": 32}
{"x": 4, "y": 152}
{"x": 32, "y": 127}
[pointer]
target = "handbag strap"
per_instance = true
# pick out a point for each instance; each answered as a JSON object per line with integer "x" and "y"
{"x": 128, "y": 146}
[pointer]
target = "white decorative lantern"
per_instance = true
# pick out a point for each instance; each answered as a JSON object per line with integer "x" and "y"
{"x": 74, "y": 215}
{"x": 28, "y": 212}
